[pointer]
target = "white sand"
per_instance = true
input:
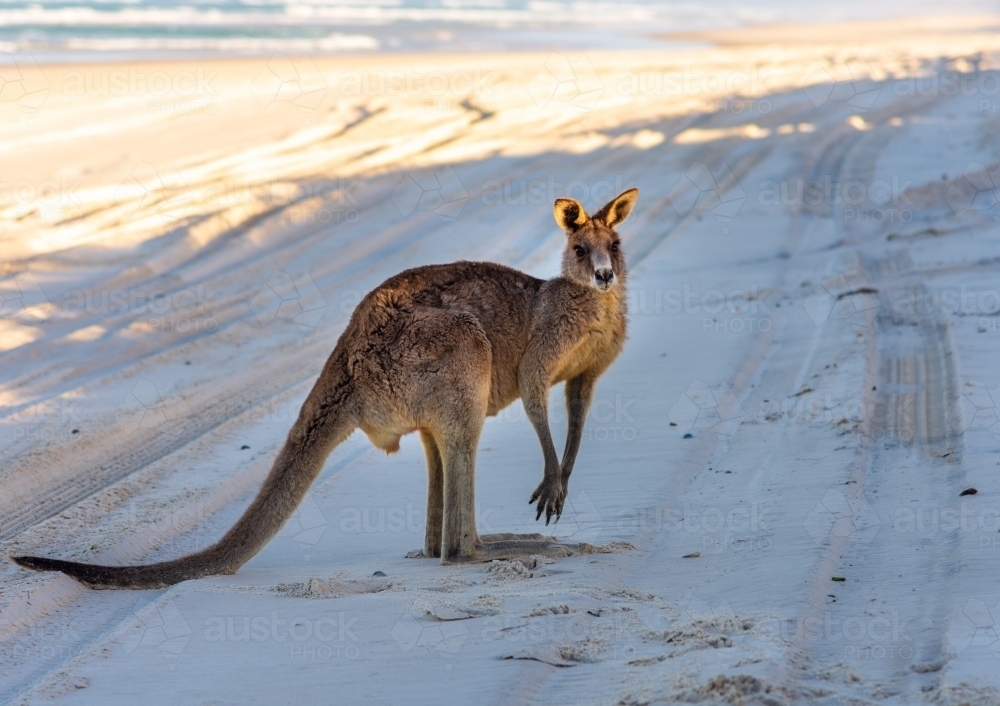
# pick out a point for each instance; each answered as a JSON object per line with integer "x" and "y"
{"x": 176, "y": 264}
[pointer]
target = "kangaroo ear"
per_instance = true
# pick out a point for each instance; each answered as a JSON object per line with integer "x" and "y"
{"x": 618, "y": 208}
{"x": 569, "y": 214}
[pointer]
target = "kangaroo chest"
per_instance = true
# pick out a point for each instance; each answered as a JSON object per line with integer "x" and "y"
{"x": 594, "y": 352}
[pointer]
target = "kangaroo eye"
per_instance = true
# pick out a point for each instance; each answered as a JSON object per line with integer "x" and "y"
{"x": 580, "y": 252}
{"x": 614, "y": 246}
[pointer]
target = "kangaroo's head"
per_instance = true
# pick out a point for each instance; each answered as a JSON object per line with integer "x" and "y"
{"x": 593, "y": 255}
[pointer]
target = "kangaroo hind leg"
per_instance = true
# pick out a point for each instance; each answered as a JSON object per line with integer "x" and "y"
{"x": 460, "y": 539}
{"x": 445, "y": 363}
{"x": 435, "y": 496}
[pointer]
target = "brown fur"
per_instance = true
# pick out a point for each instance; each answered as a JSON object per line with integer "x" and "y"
{"x": 437, "y": 349}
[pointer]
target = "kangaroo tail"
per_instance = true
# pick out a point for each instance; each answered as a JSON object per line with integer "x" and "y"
{"x": 325, "y": 420}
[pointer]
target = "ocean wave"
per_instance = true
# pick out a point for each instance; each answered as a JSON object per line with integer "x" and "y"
{"x": 332, "y": 43}
{"x": 80, "y": 29}
{"x": 311, "y": 11}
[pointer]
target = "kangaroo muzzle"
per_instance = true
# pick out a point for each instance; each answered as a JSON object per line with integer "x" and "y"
{"x": 603, "y": 277}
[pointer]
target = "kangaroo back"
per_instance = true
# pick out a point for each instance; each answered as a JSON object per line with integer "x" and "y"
{"x": 327, "y": 418}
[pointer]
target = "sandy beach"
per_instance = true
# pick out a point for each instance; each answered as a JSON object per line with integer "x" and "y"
{"x": 788, "y": 442}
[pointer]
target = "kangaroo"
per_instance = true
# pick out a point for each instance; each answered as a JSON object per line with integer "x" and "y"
{"x": 436, "y": 350}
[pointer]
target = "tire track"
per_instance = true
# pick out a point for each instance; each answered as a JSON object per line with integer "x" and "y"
{"x": 911, "y": 421}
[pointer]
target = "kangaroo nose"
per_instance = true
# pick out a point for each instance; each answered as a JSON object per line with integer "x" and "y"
{"x": 605, "y": 274}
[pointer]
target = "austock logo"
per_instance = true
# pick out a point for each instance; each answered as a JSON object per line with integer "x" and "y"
{"x": 149, "y": 407}
{"x": 49, "y": 201}
{"x": 329, "y": 637}
{"x": 702, "y": 189}
{"x": 975, "y": 626}
{"x": 977, "y": 189}
{"x": 845, "y": 295}
{"x": 21, "y": 299}
{"x": 566, "y": 81}
{"x": 295, "y": 299}
{"x": 306, "y": 526}
{"x": 429, "y": 627}
{"x": 436, "y": 189}
{"x": 849, "y": 517}
{"x": 979, "y": 407}
{"x": 702, "y": 408}
{"x": 846, "y": 80}
{"x": 160, "y": 626}
{"x": 292, "y": 79}
{"x": 161, "y": 192}
{"x": 22, "y": 82}
{"x": 581, "y": 521}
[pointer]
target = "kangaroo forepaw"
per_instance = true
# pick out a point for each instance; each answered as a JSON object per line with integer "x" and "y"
{"x": 550, "y": 496}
